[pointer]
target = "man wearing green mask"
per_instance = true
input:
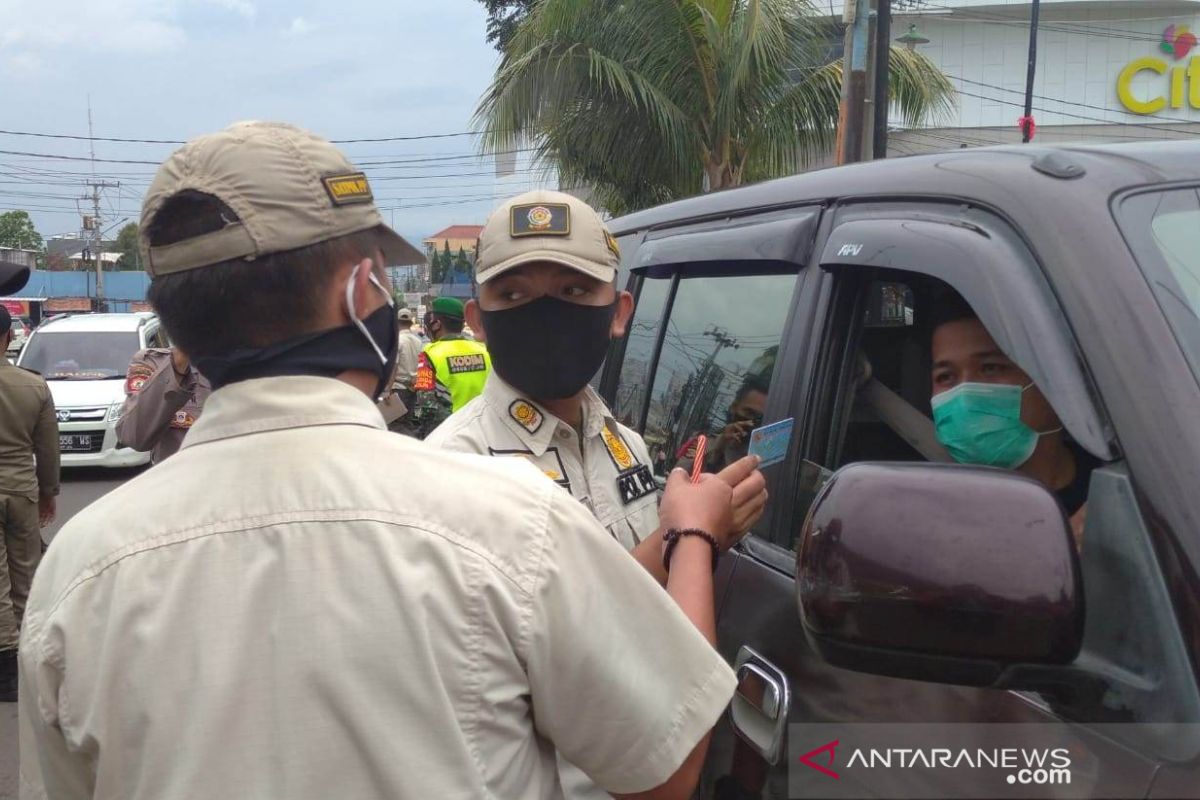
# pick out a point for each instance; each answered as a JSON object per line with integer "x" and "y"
{"x": 988, "y": 411}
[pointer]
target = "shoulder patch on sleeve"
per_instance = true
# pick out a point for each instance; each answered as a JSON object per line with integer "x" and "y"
{"x": 525, "y": 415}
{"x": 426, "y": 378}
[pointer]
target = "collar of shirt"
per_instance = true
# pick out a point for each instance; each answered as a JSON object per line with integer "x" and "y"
{"x": 502, "y": 398}
{"x": 273, "y": 404}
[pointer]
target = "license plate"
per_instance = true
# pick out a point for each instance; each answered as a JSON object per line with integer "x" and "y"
{"x": 74, "y": 442}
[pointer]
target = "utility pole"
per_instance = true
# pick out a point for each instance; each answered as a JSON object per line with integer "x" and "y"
{"x": 883, "y": 51}
{"x": 857, "y": 16}
{"x": 1027, "y": 120}
{"x": 92, "y": 224}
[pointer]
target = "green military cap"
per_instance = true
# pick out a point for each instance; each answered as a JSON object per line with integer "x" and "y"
{"x": 448, "y": 307}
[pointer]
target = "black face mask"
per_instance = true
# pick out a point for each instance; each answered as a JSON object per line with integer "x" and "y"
{"x": 325, "y": 354}
{"x": 548, "y": 349}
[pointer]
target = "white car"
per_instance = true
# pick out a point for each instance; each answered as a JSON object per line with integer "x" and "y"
{"x": 84, "y": 358}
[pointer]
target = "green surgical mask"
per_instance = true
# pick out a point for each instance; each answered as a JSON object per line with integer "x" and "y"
{"x": 980, "y": 423}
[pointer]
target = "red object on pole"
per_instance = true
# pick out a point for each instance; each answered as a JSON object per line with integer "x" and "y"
{"x": 1028, "y": 128}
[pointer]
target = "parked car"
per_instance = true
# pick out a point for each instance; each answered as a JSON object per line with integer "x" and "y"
{"x": 20, "y": 329}
{"x": 902, "y": 590}
{"x": 84, "y": 358}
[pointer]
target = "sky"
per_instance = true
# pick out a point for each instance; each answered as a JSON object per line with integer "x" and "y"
{"x": 175, "y": 69}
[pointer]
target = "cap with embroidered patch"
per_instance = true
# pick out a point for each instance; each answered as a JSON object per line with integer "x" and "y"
{"x": 288, "y": 188}
{"x": 546, "y": 226}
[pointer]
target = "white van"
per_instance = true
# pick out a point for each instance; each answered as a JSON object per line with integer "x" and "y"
{"x": 84, "y": 358}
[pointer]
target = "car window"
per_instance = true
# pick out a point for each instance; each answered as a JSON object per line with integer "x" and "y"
{"x": 639, "y": 351}
{"x": 715, "y": 366}
{"x": 82, "y": 355}
{"x": 1163, "y": 229}
{"x": 875, "y": 400}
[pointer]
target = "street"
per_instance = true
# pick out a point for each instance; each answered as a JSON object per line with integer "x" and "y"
{"x": 79, "y": 488}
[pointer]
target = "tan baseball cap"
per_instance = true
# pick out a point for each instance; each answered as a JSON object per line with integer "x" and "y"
{"x": 289, "y": 188}
{"x": 546, "y": 226}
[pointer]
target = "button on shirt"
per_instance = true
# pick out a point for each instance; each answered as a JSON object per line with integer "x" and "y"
{"x": 503, "y": 422}
{"x": 270, "y": 614}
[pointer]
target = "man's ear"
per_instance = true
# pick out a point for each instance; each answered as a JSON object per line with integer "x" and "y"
{"x": 474, "y": 317}
{"x": 367, "y": 297}
{"x": 620, "y": 323}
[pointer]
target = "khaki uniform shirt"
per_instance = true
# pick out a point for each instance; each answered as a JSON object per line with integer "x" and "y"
{"x": 406, "y": 359}
{"x": 270, "y": 614}
{"x": 29, "y": 457}
{"x": 160, "y": 407}
{"x": 606, "y": 469}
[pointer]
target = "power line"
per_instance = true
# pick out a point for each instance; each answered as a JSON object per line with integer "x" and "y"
{"x": 1056, "y": 26}
{"x": 1070, "y": 102}
{"x": 1076, "y": 116}
{"x": 123, "y": 140}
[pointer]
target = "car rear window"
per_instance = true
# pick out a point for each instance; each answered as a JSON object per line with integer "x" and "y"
{"x": 80, "y": 355}
{"x": 1163, "y": 231}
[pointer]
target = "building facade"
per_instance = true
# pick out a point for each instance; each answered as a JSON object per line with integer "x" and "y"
{"x": 1107, "y": 70}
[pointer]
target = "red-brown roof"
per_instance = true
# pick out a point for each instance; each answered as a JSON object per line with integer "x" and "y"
{"x": 457, "y": 232}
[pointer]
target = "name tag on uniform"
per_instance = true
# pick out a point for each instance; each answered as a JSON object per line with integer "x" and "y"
{"x": 635, "y": 483}
{"x": 473, "y": 362}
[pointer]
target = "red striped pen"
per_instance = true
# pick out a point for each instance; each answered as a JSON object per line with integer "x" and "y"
{"x": 698, "y": 462}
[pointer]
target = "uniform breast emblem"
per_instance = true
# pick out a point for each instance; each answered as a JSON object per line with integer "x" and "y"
{"x": 526, "y": 415}
{"x": 617, "y": 449}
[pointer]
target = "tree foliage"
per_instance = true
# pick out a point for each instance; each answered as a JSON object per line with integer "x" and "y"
{"x": 651, "y": 100}
{"x": 127, "y": 246}
{"x": 503, "y": 18}
{"x": 17, "y": 231}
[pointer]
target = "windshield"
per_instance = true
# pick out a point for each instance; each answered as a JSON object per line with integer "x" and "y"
{"x": 1163, "y": 230}
{"x": 80, "y": 356}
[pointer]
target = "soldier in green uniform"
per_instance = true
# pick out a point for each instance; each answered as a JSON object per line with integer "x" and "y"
{"x": 451, "y": 370}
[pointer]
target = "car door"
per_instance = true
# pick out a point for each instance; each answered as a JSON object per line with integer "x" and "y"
{"x": 867, "y": 260}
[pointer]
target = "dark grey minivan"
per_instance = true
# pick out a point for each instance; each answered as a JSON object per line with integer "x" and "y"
{"x": 902, "y": 589}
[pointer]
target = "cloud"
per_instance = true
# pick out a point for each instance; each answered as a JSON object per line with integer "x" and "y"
{"x": 299, "y": 27}
{"x": 110, "y": 26}
{"x": 245, "y": 8}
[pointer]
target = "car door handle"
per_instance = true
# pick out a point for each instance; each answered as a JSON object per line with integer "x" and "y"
{"x": 759, "y": 689}
{"x": 760, "y": 704}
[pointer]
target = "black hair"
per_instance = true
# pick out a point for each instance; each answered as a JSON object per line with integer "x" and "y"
{"x": 946, "y": 306}
{"x": 451, "y": 324}
{"x": 753, "y": 383}
{"x": 240, "y": 303}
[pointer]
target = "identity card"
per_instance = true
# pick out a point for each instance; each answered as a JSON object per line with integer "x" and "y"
{"x": 771, "y": 441}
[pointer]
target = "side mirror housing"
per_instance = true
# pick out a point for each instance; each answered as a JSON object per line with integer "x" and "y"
{"x": 939, "y": 572}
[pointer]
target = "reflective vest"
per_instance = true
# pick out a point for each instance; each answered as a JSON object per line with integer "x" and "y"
{"x": 460, "y": 365}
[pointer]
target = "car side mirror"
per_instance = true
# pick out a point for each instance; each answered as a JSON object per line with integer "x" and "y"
{"x": 938, "y": 572}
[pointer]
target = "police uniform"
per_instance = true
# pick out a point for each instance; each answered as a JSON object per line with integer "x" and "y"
{"x": 605, "y": 465}
{"x": 160, "y": 405}
{"x": 299, "y": 624}
{"x": 29, "y": 465}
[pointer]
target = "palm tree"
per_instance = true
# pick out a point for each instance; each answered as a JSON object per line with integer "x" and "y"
{"x": 647, "y": 101}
